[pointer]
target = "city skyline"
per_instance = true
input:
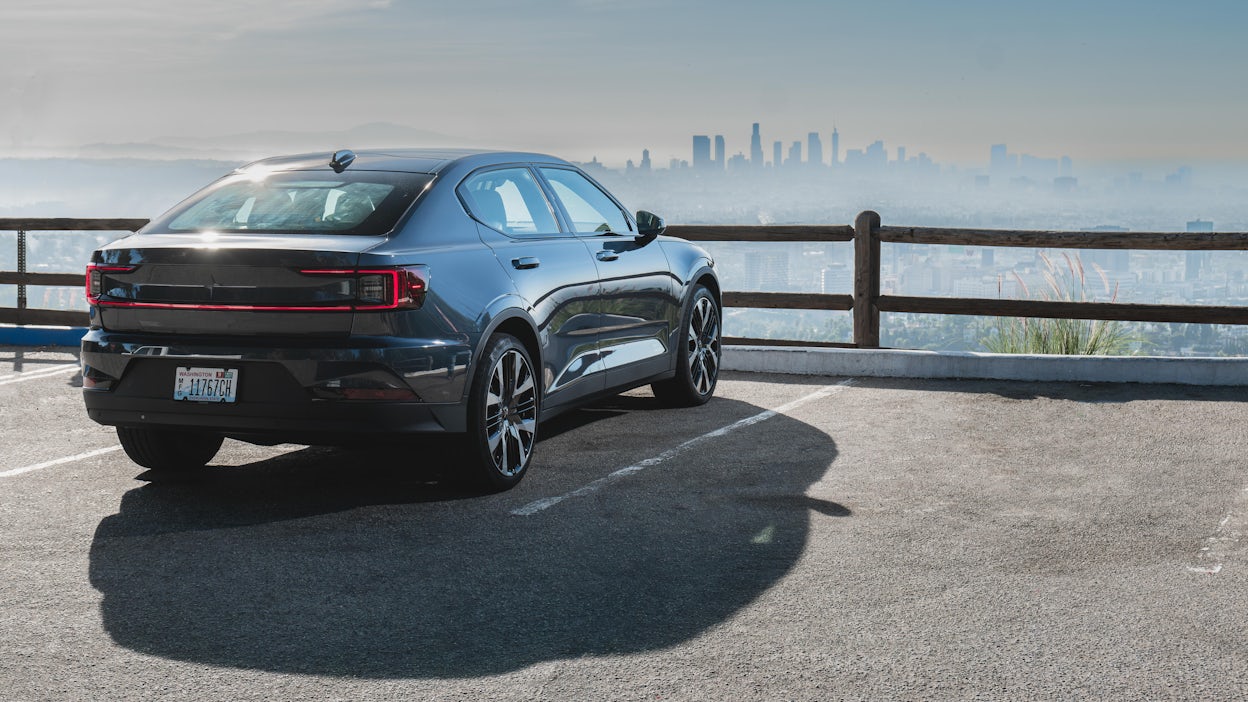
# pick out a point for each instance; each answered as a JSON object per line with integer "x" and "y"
{"x": 1100, "y": 82}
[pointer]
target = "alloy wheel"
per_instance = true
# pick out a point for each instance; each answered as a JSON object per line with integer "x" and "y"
{"x": 511, "y": 413}
{"x": 703, "y": 343}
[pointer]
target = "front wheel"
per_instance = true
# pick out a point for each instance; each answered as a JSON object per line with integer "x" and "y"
{"x": 697, "y": 361}
{"x": 169, "y": 450}
{"x": 502, "y": 414}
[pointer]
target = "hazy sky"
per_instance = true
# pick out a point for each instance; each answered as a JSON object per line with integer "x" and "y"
{"x": 1107, "y": 80}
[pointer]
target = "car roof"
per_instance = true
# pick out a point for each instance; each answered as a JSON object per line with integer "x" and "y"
{"x": 430, "y": 161}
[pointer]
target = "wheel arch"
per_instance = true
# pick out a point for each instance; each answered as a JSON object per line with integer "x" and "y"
{"x": 706, "y": 277}
{"x": 516, "y": 322}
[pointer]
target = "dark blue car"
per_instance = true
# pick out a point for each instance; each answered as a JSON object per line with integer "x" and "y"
{"x": 339, "y": 298}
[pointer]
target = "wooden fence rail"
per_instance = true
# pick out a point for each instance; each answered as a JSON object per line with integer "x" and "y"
{"x": 21, "y": 314}
{"x": 866, "y": 302}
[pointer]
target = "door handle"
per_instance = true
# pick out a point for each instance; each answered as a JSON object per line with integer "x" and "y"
{"x": 607, "y": 255}
{"x": 525, "y": 262}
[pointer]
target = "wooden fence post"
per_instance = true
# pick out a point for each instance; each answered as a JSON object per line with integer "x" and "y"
{"x": 866, "y": 280}
{"x": 21, "y": 268}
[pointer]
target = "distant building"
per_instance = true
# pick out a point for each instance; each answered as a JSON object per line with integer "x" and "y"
{"x": 795, "y": 154}
{"x": 701, "y": 152}
{"x": 814, "y": 149}
{"x": 645, "y": 160}
{"x": 777, "y": 154}
{"x": 1181, "y": 178}
{"x": 756, "y": 148}
{"x": 1198, "y": 260}
{"x": 877, "y": 151}
{"x": 719, "y": 152}
{"x": 998, "y": 160}
{"x": 1065, "y": 184}
{"x": 836, "y": 278}
{"x": 737, "y": 162}
{"x": 1110, "y": 260}
{"x": 836, "y": 147}
{"x": 767, "y": 271}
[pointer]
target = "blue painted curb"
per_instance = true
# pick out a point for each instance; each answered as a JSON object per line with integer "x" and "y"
{"x": 11, "y": 335}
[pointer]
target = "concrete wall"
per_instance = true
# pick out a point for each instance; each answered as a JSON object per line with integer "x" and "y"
{"x": 933, "y": 364}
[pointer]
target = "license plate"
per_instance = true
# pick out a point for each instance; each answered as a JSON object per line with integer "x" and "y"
{"x": 206, "y": 384}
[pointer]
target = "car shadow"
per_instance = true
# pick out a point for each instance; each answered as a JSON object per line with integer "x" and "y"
{"x": 368, "y": 564}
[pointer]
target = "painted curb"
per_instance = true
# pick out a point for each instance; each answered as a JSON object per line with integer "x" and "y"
{"x": 11, "y": 335}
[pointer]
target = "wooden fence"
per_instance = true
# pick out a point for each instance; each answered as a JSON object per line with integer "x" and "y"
{"x": 866, "y": 302}
{"x": 21, "y": 314}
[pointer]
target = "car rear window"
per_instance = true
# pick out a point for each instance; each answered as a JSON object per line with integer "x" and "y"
{"x": 354, "y": 202}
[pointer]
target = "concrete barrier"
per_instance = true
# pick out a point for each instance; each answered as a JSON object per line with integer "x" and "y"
{"x": 880, "y": 363}
{"x": 888, "y": 363}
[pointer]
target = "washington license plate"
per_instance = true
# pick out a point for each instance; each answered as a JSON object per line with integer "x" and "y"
{"x": 206, "y": 384}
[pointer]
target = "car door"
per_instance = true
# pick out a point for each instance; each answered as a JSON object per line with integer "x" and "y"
{"x": 640, "y": 296}
{"x": 553, "y": 271}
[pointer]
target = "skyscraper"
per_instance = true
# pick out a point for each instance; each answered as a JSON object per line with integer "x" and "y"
{"x": 814, "y": 149}
{"x": 795, "y": 154}
{"x": 777, "y": 154}
{"x": 998, "y": 160}
{"x": 836, "y": 147}
{"x": 645, "y": 160}
{"x": 719, "y": 152}
{"x": 701, "y": 152}
{"x": 756, "y": 148}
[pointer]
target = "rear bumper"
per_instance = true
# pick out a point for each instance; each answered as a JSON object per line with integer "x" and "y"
{"x": 315, "y": 422}
{"x": 286, "y": 387}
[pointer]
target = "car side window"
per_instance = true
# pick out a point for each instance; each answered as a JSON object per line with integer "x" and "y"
{"x": 509, "y": 200}
{"x": 590, "y": 209}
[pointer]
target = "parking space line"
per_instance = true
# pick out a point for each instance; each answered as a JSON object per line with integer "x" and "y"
{"x": 1214, "y": 552}
{"x": 58, "y": 461}
{"x": 35, "y": 375}
{"x": 548, "y": 502}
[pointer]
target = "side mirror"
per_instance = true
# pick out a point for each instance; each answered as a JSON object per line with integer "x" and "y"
{"x": 649, "y": 226}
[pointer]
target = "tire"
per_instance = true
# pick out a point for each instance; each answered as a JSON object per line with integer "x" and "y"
{"x": 169, "y": 450}
{"x": 502, "y": 415}
{"x": 698, "y": 359}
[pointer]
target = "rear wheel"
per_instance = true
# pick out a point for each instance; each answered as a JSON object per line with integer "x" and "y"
{"x": 697, "y": 361}
{"x": 503, "y": 411}
{"x": 169, "y": 449}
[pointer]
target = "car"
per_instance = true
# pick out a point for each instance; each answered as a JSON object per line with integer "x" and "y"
{"x": 363, "y": 296}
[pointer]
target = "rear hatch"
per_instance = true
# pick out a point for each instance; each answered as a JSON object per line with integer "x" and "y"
{"x": 260, "y": 252}
{"x": 230, "y": 284}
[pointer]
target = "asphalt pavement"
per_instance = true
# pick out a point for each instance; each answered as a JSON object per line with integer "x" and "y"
{"x": 798, "y": 538}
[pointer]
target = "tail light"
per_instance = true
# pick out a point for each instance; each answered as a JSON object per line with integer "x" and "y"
{"x": 95, "y": 280}
{"x": 402, "y": 288}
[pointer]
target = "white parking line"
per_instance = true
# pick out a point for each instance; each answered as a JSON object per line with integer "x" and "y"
{"x": 548, "y": 502}
{"x": 1217, "y": 547}
{"x": 36, "y": 374}
{"x": 58, "y": 461}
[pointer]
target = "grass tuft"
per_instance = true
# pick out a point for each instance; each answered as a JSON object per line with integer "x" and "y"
{"x": 1081, "y": 337}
